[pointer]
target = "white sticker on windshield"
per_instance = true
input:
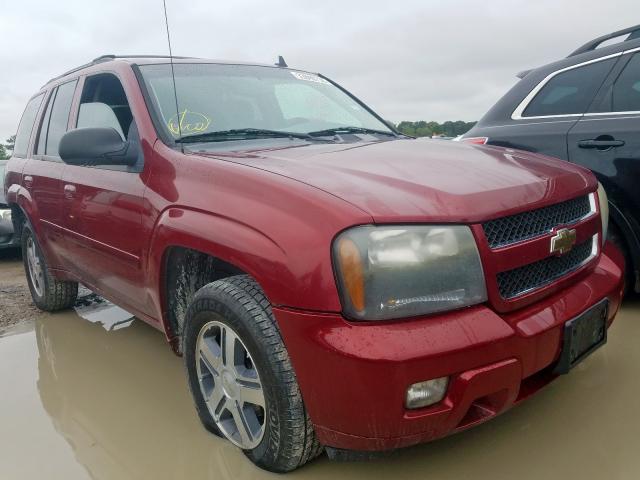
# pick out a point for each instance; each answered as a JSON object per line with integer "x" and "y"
{"x": 309, "y": 77}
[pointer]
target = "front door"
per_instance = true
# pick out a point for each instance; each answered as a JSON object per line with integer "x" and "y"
{"x": 103, "y": 205}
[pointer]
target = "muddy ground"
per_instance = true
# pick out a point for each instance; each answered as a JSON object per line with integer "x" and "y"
{"x": 15, "y": 299}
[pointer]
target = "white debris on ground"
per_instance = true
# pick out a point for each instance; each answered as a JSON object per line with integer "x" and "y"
{"x": 96, "y": 309}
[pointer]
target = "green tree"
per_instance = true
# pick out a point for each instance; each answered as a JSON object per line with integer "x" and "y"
{"x": 6, "y": 150}
{"x": 10, "y": 143}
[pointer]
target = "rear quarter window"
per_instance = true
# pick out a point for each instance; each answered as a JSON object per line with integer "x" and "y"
{"x": 26, "y": 126}
{"x": 570, "y": 92}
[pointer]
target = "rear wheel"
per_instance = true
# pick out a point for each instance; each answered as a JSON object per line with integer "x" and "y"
{"x": 47, "y": 292}
{"x": 241, "y": 377}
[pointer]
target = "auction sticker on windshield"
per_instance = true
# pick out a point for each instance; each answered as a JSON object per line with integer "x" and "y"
{"x": 309, "y": 77}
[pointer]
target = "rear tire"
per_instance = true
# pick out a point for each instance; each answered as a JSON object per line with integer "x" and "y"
{"x": 48, "y": 293}
{"x": 238, "y": 305}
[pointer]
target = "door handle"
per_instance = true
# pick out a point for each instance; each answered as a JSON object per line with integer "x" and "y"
{"x": 28, "y": 181}
{"x": 600, "y": 144}
{"x": 69, "y": 191}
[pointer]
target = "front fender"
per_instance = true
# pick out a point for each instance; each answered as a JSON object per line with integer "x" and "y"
{"x": 226, "y": 239}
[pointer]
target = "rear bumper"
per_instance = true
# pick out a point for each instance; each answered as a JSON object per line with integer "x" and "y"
{"x": 353, "y": 377}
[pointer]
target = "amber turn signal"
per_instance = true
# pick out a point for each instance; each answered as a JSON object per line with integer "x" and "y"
{"x": 352, "y": 272}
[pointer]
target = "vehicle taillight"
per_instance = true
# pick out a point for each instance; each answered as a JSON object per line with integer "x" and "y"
{"x": 475, "y": 140}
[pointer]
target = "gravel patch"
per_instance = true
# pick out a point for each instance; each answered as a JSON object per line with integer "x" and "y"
{"x": 15, "y": 299}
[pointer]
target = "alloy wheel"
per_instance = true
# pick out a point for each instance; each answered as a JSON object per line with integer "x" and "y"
{"x": 36, "y": 270}
{"x": 230, "y": 385}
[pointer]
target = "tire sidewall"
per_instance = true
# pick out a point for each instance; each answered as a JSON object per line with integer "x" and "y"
{"x": 27, "y": 232}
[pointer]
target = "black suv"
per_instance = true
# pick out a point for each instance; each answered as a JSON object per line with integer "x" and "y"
{"x": 585, "y": 109}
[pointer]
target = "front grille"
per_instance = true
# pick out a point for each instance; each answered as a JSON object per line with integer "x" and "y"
{"x": 530, "y": 277}
{"x": 524, "y": 226}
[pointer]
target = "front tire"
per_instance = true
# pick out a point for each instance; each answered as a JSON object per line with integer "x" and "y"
{"x": 48, "y": 293}
{"x": 241, "y": 378}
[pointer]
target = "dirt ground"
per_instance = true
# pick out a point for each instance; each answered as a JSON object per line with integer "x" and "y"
{"x": 15, "y": 299}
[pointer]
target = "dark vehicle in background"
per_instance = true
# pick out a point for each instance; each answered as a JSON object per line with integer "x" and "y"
{"x": 7, "y": 238}
{"x": 585, "y": 109}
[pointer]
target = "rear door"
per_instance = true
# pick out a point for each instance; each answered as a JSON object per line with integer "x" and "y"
{"x": 103, "y": 204}
{"x": 541, "y": 122}
{"x": 42, "y": 173}
{"x": 607, "y": 139}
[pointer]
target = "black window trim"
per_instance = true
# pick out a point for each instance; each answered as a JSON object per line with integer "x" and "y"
{"x": 51, "y": 97}
{"x": 35, "y": 121}
{"x": 522, "y": 106}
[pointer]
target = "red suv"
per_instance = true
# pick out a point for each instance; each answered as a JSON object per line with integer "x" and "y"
{"x": 330, "y": 283}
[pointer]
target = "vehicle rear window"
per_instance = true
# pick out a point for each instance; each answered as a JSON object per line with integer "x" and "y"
{"x": 570, "y": 92}
{"x": 26, "y": 126}
{"x": 626, "y": 90}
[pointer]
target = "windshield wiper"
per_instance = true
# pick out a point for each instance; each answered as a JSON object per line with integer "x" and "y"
{"x": 242, "y": 134}
{"x": 337, "y": 130}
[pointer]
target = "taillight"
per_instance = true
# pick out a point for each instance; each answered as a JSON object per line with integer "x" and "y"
{"x": 475, "y": 140}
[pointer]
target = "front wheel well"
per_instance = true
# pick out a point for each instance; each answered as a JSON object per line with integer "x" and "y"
{"x": 18, "y": 218}
{"x": 185, "y": 272}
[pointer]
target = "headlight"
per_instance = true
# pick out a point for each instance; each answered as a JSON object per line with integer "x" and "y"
{"x": 5, "y": 215}
{"x": 604, "y": 211}
{"x": 402, "y": 271}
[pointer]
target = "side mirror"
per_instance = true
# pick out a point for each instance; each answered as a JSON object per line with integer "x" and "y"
{"x": 96, "y": 146}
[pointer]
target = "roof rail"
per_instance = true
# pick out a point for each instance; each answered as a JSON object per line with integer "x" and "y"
{"x": 634, "y": 34}
{"x": 106, "y": 58}
{"x": 103, "y": 58}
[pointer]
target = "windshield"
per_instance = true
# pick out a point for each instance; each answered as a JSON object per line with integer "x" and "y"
{"x": 218, "y": 98}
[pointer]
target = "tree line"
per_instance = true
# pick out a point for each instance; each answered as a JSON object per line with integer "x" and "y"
{"x": 423, "y": 128}
{"x": 6, "y": 149}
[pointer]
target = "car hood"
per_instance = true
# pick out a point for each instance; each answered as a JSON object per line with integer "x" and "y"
{"x": 435, "y": 181}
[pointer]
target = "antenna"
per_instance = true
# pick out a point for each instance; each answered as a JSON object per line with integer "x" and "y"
{"x": 173, "y": 75}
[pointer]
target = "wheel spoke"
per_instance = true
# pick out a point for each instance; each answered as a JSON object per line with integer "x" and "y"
{"x": 241, "y": 423}
{"x": 252, "y": 394}
{"x": 216, "y": 400}
{"x": 213, "y": 361}
{"x": 229, "y": 347}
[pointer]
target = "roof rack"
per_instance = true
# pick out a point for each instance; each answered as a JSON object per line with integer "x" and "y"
{"x": 106, "y": 58}
{"x": 634, "y": 34}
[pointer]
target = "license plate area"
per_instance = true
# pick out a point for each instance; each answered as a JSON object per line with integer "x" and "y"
{"x": 582, "y": 336}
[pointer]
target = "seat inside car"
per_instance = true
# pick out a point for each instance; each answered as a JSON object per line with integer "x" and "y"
{"x": 104, "y": 103}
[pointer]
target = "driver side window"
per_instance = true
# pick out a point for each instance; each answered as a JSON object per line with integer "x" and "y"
{"x": 104, "y": 104}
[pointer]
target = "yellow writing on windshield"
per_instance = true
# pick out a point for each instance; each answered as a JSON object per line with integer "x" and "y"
{"x": 188, "y": 122}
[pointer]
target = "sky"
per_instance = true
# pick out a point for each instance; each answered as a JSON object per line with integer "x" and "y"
{"x": 408, "y": 60}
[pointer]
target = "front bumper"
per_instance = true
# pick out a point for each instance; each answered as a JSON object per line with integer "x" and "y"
{"x": 353, "y": 376}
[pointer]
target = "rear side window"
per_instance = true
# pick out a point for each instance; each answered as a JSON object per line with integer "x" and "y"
{"x": 26, "y": 126}
{"x": 626, "y": 90}
{"x": 570, "y": 92}
{"x": 56, "y": 119}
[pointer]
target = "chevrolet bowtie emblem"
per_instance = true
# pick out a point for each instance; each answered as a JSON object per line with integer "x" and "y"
{"x": 563, "y": 241}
